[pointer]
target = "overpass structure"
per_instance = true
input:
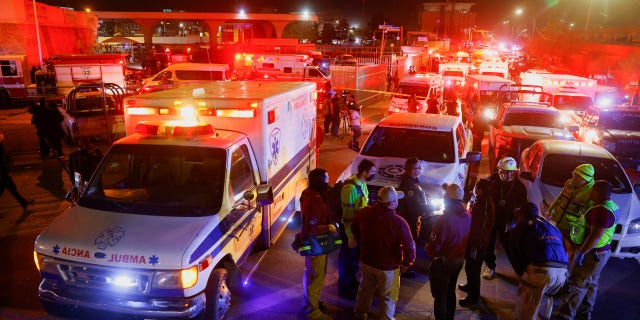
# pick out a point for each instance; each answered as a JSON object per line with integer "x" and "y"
{"x": 258, "y": 25}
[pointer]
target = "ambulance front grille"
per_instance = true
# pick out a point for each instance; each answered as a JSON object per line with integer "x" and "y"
{"x": 105, "y": 278}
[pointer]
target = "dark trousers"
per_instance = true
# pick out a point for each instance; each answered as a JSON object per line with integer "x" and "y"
{"x": 44, "y": 145}
{"x": 444, "y": 276}
{"x": 347, "y": 265}
{"x": 55, "y": 141}
{"x": 327, "y": 123}
{"x": 490, "y": 253}
{"x": 335, "y": 125}
{"x": 7, "y": 182}
{"x": 472, "y": 268}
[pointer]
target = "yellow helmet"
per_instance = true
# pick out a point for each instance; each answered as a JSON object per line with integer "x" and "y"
{"x": 507, "y": 164}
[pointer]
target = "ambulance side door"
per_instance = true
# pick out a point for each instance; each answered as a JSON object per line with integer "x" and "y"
{"x": 245, "y": 216}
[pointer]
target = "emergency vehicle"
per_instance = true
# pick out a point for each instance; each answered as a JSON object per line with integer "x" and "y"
{"x": 174, "y": 209}
{"x": 74, "y": 69}
{"x": 283, "y": 67}
{"x": 481, "y": 99}
{"x": 14, "y": 77}
{"x": 570, "y": 94}
{"x": 181, "y": 74}
{"x": 494, "y": 68}
{"x": 400, "y": 136}
{"x": 423, "y": 85}
{"x": 454, "y": 74}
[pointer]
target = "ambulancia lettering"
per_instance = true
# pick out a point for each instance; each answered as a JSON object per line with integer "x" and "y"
{"x": 127, "y": 258}
{"x": 75, "y": 252}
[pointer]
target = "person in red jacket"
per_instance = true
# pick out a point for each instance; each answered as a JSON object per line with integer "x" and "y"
{"x": 386, "y": 249}
{"x": 315, "y": 221}
{"x": 446, "y": 248}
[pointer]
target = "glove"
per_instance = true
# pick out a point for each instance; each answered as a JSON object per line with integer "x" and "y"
{"x": 332, "y": 228}
{"x": 352, "y": 242}
{"x": 577, "y": 260}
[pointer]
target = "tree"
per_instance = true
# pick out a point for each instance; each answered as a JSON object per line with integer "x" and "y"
{"x": 342, "y": 31}
{"x": 302, "y": 30}
{"x": 328, "y": 33}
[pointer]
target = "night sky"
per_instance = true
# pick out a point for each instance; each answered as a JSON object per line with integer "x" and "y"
{"x": 489, "y": 12}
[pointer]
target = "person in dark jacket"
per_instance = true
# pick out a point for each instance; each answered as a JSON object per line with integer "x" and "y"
{"x": 336, "y": 108}
{"x": 482, "y": 220}
{"x": 38, "y": 119}
{"x": 446, "y": 248}
{"x": 52, "y": 128}
{"x": 508, "y": 193}
{"x": 538, "y": 256}
{"x": 386, "y": 249}
{"x": 6, "y": 181}
{"x": 315, "y": 221}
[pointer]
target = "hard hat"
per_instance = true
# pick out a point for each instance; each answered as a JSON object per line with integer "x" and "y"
{"x": 585, "y": 171}
{"x": 507, "y": 164}
{"x": 453, "y": 191}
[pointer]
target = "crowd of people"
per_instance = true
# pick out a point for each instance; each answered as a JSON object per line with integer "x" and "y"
{"x": 557, "y": 255}
{"x": 339, "y": 112}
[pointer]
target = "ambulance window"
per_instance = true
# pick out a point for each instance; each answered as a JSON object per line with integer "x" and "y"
{"x": 8, "y": 68}
{"x": 241, "y": 177}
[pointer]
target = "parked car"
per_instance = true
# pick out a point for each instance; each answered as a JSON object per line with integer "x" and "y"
{"x": 520, "y": 124}
{"x": 441, "y": 142}
{"x": 346, "y": 60}
{"x": 547, "y": 164}
{"x": 617, "y": 129}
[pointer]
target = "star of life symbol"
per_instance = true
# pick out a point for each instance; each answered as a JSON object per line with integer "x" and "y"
{"x": 109, "y": 237}
{"x": 274, "y": 142}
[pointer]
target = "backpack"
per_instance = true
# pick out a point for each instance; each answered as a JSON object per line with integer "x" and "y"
{"x": 334, "y": 199}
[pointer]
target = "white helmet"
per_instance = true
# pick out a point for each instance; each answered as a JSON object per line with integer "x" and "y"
{"x": 507, "y": 164}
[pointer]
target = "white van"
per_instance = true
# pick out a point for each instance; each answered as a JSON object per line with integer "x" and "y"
{"x": 181, "y": 74}
{"x": 423, "y": 85}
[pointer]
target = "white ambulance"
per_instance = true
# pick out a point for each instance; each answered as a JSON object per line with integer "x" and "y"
{"x": 72, "y": 70}
{"x": 423, "y": 85}
{"x": 570, "y": 94}
{"x": 174, "y": 209}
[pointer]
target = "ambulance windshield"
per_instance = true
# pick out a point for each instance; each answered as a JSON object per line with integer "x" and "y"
{"x": 158, "y": 180}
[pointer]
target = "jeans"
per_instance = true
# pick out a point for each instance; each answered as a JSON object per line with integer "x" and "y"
{"x": 348, "y": 260}
{"x": 536, "y": 285}
{"x": 384, "y": 284}
{"x": 444, "y": 276}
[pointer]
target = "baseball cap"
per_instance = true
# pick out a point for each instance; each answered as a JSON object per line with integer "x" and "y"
{"x": 389, "y": 194}
{"x": 453, "y": 191}
{"x": 529, "y": 209}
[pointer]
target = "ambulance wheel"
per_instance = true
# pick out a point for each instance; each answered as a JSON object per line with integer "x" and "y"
{"x": 218, "y": 295}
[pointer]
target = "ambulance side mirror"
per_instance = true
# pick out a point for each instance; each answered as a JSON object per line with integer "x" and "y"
{"x": 263, "y": 194}
{"x": 636, "y": 189}
{"x": 472, "y": 157}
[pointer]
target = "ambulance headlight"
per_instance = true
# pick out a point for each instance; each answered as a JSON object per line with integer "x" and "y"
{"x": 181, "y": 279}
{"x": 125, "y": 281}
{"x": 634, "y": 226}
{"x": 564, "y": 119}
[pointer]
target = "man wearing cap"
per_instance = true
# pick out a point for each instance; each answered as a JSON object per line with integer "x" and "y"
{"x": 386, "y": 250}
{"x": 566, "y": 209}
{"x": 540, "y": 260}
{"x": 508, "y": 193}
{"x": 446, "y": 247}
{"x": 592, "y": 236}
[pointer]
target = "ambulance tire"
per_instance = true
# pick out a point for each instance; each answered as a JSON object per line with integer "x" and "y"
{"x": 218, "y": 296}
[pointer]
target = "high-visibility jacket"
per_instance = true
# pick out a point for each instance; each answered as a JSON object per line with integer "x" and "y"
{"x": 570, "y": 204}
{"x": 579, "y": 230}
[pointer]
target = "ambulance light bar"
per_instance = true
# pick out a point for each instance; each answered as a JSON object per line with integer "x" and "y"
{"x": 174, "y": 128}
